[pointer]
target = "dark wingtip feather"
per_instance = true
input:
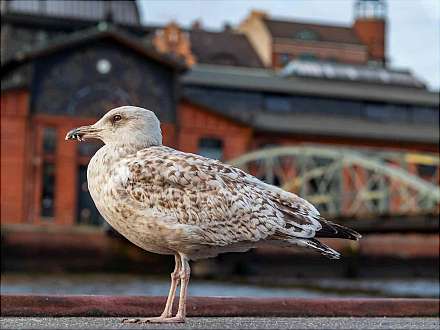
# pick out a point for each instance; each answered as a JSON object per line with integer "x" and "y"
{"x": 322, "y": 248}
{"x": 333, "y": 230}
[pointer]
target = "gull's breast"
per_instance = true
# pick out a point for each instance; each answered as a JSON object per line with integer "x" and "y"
{"x": 137, "y": 225}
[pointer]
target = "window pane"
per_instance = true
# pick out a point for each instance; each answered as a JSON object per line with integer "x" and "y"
{"x": 277, "y": 103}
{"x": 425, "y": 115}
{"x": 304, "y": 104}
{"x": 48, "y": 195}
{"x": 211, "y": 148}
{"x": 49, "y": 140}
{"x": 386, "y": 112}
{"x": 284, "y": 58}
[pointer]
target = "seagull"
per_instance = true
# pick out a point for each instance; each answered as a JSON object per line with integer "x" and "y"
{"x": 188, "y": 206}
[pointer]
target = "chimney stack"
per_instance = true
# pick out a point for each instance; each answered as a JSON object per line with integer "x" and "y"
{"x": 370, "y": 27}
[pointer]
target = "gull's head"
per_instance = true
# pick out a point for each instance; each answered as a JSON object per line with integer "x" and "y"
{"x": 127, "y": 125}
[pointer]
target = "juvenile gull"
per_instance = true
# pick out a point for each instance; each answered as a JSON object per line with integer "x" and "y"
{"x": 170, "y": 202}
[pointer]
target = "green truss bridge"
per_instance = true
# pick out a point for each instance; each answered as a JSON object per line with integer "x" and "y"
{"x": 370, "y": 189}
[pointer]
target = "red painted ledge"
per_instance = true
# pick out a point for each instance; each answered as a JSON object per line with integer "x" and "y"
{"x": 125, "y": 306}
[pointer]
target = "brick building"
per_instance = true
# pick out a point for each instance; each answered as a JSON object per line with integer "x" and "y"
{"x": 218, "y": 93}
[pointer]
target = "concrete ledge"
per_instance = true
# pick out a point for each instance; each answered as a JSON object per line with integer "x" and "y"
{"x": 125, "y": 306}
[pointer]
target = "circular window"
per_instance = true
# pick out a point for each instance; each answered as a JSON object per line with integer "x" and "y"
{"x": 103, "y": 66}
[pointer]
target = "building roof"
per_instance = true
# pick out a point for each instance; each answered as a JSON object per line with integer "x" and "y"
{"x": 118, "y": 11}
{"x": 101, "y": 31}
{"x": 351, "y": 72}
{"x": 341, "y": 126}
{"x": 255, "y": 79}
{"x": 223, "y": 48}
{"x": 294, "y": 30}
{"x": 335, "y": 126}
{"x": 349, "y": 107}
{"x": 24, "y": 32}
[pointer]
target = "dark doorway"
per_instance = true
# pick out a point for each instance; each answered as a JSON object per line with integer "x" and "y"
{"x": 87, "y": 212}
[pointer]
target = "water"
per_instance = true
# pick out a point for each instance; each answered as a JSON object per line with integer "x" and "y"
{"x": 118, "y": 284}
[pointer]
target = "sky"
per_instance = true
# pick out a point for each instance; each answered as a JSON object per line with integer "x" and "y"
{"x": 413, "y": 25}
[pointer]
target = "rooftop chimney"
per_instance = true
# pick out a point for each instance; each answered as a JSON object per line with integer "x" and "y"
{"x": 370, "y": 27}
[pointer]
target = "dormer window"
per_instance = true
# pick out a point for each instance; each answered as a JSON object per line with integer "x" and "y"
{"x": 306, "y": 35}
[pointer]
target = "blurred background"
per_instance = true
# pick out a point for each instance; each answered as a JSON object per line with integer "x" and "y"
{"x": 336, "y": 101}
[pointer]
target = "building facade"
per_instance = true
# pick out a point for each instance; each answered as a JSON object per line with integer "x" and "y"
{"x": 215, "y": 92}
{"x": 279, "y": 41}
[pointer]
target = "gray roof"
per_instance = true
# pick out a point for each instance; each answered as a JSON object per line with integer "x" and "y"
{"x": 256, "y": 79}
{"x": 351, "y": 127}
{"x": 224, "y": 47}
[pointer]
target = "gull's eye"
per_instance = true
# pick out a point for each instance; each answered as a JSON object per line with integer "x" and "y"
{"x": 116, "y": 118}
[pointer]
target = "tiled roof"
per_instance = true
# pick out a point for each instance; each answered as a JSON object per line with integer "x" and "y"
{"x": 224, "y": 48}
{"x": 330, "y": 33}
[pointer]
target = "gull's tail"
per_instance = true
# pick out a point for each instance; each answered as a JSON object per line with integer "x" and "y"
{"x": 333, "y": 230}
{"x": 328, "y": 230}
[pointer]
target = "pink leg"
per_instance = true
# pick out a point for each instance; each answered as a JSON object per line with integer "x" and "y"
{"x": 166, "y": 314}
{"x": 184, "y": 280}
{"x": 175, "y": 276}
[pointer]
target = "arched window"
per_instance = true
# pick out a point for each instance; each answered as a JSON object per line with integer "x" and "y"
{"x": 211, "y": 148}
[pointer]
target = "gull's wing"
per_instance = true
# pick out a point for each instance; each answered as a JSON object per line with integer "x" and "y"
{"x": 225, "y": 203}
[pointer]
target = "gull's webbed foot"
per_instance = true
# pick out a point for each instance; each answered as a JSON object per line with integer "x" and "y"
{"x": 159, "y": 319}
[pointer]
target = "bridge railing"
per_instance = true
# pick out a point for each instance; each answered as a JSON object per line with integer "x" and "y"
{"x": 349, "y": 183}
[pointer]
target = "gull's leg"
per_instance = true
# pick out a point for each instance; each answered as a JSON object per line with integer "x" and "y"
{"x": 175, "y": 277}
{"x": 184, "y": 280}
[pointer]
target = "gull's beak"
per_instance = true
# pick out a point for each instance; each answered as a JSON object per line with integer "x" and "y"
{"x": 83, "y": 132}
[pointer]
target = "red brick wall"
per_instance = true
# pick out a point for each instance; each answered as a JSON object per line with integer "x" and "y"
{"x": 345, "y": 54}
{"x": 169, "y": 134}
{"x": 14, "y": 112}
{"x": 196, "y": 122}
